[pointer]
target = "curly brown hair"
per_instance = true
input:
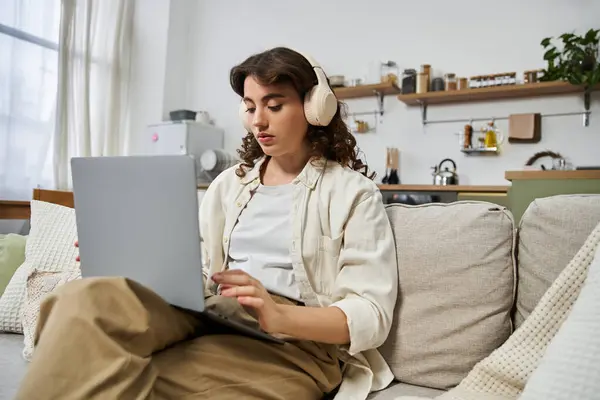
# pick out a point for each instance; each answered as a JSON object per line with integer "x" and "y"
{"x": 335, "y": 142}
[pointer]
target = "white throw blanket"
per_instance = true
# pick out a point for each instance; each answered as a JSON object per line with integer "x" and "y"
{"x": 504, "y": 373}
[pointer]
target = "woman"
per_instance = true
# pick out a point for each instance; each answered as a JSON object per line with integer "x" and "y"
{"x": 296, "y": 235}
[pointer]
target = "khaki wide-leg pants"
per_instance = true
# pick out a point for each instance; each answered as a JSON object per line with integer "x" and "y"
{"x": 112, "y": 338}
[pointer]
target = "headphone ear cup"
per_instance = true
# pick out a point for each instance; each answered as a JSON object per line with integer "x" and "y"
{"x": 320, "y": 105}
{"x": 244, "y": 117}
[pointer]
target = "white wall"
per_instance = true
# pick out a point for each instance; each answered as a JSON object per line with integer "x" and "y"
{"x": 148, "y": 67}
{"x": 467, "y": 37}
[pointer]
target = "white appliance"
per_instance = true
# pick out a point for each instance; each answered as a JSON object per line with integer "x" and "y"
{"x": 184, "y": 137}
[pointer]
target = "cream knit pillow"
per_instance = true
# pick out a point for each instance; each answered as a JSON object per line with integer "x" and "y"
{"x": 39, "y": 285}
{"x": 50, "y": 248}
{"x": 570, "y": 368}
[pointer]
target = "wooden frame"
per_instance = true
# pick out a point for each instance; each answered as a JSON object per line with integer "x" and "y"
{"x": 19, "y": 210}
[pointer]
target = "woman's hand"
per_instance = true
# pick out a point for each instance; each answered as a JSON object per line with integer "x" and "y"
{"x": 251, "y": 293}
{"x": 319, "y": 324}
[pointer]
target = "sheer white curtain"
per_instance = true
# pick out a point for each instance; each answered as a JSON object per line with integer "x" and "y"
{"x": 29, "y": 33}
{"x": 64, "y": 85}
{"x": 93, "y": 83}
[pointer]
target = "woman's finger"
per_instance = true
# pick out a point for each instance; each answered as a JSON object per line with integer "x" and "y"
{"x": 233, "y": 279}
{"x": 237, "y": 291}
{"x": 254, "y": 302}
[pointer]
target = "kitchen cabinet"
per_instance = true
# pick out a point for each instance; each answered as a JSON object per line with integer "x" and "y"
{"x": 530, "y": 185}
{"x": 420, "y": 194}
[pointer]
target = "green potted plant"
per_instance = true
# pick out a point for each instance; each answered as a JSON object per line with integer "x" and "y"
{"x": 577, "y": 61}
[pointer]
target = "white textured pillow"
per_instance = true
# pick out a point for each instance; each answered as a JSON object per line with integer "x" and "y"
{"x": 12, "y": 300}
{"x": 570, "y": 368}
{"x": 50, "y": 248}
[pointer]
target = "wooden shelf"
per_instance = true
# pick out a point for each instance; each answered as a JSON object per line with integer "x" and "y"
{"x": 493, "y": 93}
{"x": 366, "y": 90}
{"x": 552, "y": 174}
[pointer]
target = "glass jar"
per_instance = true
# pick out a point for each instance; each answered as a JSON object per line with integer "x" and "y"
{"x": 426, "y": 69}
{"x": 437, "y": 85}
{"x": 450, "y": 80}
{"x": 409, "y": 81}
{"x": 463, "y": 83}
{"x": 422, "y": 82}
{"x": 388, "y": 72}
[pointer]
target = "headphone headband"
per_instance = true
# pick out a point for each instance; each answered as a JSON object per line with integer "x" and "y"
{"x": 308, "y": 58}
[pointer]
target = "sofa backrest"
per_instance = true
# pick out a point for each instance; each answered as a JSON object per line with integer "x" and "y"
{"x": 465, "y": 269}
{"x": 551, "y": 231}
{"x": 457, "y": 289}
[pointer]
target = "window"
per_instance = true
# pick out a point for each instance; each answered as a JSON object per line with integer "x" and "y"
{"x": 29, "y": 32}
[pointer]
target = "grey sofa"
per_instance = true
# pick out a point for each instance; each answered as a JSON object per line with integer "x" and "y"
{"x": 12, "y": 364}
{"x": 469, "y": 276}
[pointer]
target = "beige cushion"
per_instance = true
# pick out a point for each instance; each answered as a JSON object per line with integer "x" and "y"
{"x": 551, "y": 232}
{"x": 12, "y": 255}
{"x": 457, "y": 287}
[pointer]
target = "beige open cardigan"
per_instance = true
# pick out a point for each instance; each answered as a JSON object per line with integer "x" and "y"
{"x": 504, "y": 373}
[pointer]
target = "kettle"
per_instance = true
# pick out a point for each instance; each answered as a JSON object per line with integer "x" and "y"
{"x": 446, "y": 176}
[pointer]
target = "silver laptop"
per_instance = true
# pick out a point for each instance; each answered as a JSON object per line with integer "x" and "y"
{"x": 137, "y": 217}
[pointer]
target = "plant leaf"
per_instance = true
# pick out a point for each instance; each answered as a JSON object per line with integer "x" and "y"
{"x": 566, "y": 37}
{"x": 591, "y": 36}
{"x": 550, "y": 54}
{"x": 546, "y": 41}
{"x": 595, "y": 76}
{"x": 575, "y": 79}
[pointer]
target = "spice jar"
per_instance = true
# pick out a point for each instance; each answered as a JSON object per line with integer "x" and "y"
{"x": 468, "y": 136}
{"x": 409, "y": 81}
{"x": 362, "y": 126}
{"x": 426, "y": 69}
{"x": 529, "y": 77}
{"x": 422, "y": 82}
{"x": 437, "y": 85}
{"x": 450, "y": 80}
{"x": 389, "y": 72}
{"x": 475, "y": 82}
{"x": 484, "y": 81}
{"x": 463, "y": 83}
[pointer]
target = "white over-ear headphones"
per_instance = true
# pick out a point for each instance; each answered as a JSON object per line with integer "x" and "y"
{"x": 320, "y": 103}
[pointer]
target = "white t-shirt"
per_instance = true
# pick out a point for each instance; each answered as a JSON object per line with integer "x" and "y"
{"x": 261, "y": 238}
